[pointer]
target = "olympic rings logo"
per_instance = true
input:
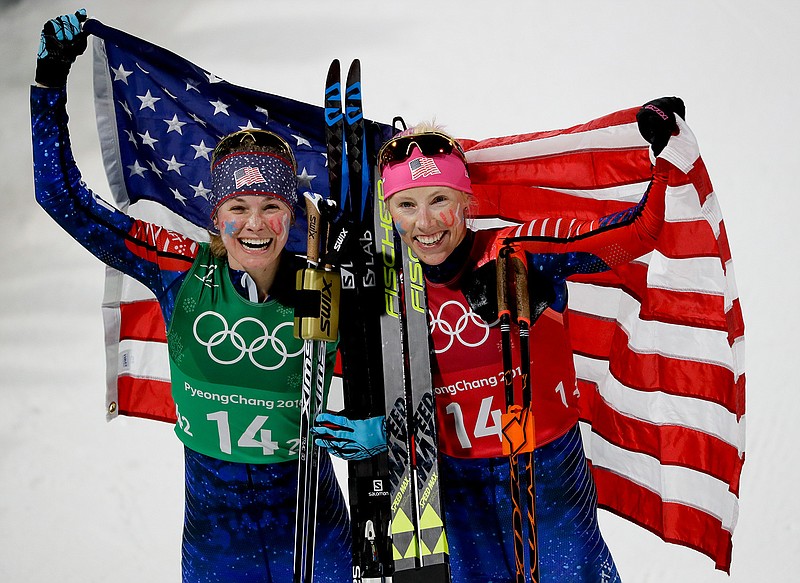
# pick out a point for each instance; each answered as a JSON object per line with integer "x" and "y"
{"x": 476, "y": 335}
{"x": 252, "y": 348}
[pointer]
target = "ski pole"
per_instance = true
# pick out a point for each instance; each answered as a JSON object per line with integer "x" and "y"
{"x": 524, "y": 322}
{"x": 504, "y": 312}
{"x": 316, "y": 329}
{"x": 305, "y": 445}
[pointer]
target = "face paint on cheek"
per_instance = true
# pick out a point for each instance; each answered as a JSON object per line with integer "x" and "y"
{"x": 400, "y": 229}
{"x": 448, "y": 221}
{"x": 229, "y": 228}
{"x": 279, "y": 224}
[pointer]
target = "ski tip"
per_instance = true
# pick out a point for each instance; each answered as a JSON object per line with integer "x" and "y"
{"x": 355, "y": 67}
{"x": 334, "y": 67}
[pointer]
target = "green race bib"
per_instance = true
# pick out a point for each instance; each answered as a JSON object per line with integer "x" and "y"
{"x": 236, "y": 369}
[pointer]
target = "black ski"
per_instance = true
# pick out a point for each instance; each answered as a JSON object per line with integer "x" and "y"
{"x": 385, "y": 363}
{"x": 359, "y": 346}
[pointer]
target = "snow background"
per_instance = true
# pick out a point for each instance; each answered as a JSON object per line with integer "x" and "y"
{"x": 83, "y": 500}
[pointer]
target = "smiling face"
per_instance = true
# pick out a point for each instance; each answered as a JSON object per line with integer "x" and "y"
{"x": 254, "y": 230}
{"x": 430, "y": 220}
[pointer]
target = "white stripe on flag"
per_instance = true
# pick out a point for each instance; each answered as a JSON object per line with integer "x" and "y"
{"x": 631, "y": 193}
{"x": 695, "y": 274}
{"x": 661, "y": 408}
{"x": 731, "y": 291}
{"x": 713, "y": 213}
{"x": 608, "y": 138}
{"x": 145, "y": 360}
{"x": 671, "y": 483}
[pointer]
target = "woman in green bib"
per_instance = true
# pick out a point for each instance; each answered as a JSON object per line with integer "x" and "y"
{"x": 235, "y": 364}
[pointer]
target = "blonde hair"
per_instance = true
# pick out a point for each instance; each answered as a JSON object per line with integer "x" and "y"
{"x": 424, "y": 127}
{"x": 216, "y": 246}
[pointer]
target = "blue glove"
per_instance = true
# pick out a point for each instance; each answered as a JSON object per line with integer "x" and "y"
{"x": 61, "y": 42}
{"x": 350, "y": 439}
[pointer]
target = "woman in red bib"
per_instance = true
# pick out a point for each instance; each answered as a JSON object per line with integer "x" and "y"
{"x": 427, "y": 188}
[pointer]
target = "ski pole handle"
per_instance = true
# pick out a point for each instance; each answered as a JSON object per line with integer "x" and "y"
{"x": 521, "y": 289}
{"x": 502, "y": 283}
{"x": 314, "y": 226}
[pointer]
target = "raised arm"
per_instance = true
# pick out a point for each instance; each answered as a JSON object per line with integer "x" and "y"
{"x": 153, "y": 255}
{"x": 567, "y": 247}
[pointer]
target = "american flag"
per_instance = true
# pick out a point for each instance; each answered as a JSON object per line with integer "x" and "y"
{"x": 247, "y": 176}
{"x": 658, "y": 344}
{"x": 422, "y": 167}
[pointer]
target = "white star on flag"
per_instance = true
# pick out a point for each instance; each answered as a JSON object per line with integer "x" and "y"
{"x": 220, "y": 107}
{"x": 148, "y": 101}
{"x": 136, "y": 169}
{"x": 201, "y": 150}
{"x": 173, "y": 164}
{"x": 120, "y": 74}
{"x": 174, "y": 124}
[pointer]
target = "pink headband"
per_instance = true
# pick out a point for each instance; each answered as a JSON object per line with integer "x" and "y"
{"x": 419, "y": 170}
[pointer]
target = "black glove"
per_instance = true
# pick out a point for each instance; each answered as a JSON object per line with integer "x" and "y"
{"x": 61, "y": 42}
{"x": 656, "y": 120}
{"x": 480, "y": 289}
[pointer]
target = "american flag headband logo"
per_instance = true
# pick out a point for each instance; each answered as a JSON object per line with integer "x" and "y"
{"x": 422, "y": 167}
{"x": 253, "y": 173}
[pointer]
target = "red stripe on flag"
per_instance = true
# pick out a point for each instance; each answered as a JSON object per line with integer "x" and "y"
{"x": 621, "y": 117}
{"x": 520, "y": 204}
{"x": 698, "y": 176}
{"x": 686, "y": 240}
{"x": 581, "y": 170}
{"x": 597, "y": 338}
{"x": 735, "y": 321}
{"x": 724, "y": 246}
{"x": 671, "y": 521}
{"x": 145, "y": 398}
{"x": 142, "y": 320}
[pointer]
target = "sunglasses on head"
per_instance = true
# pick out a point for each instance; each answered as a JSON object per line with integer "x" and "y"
{"x": 239, "y": 141}
{"x": 399, "y": 148}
